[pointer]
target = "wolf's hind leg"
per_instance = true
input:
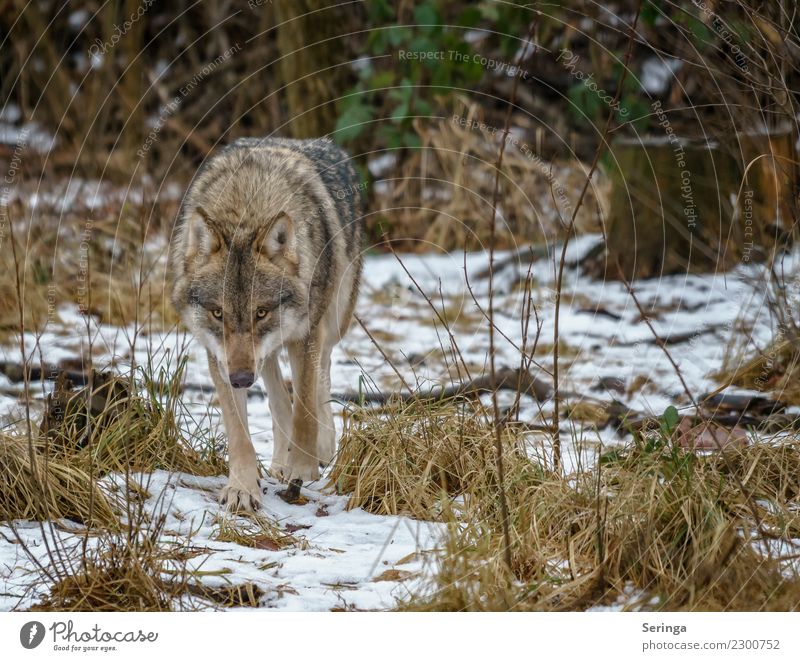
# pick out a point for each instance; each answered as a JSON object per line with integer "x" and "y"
{"x": 242, "y": 493}
{"x": 326, "y": 437}
{"x": 305, "y": 358}
{"x": 280, "y": 406}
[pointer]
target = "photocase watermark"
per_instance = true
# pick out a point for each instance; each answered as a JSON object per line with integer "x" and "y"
{"x": 66, "y": 638}
{"x": 31, "y": 635}
{"x": 558, "y": 188}
{"x": 747, "y": 218}
{"x": 679, "y": 152}
{"x": 170, "y": 108}
{"x": 723, "y": 33}
{"x": 100, "y": 47}
{"x": 511, "y": 70}
{"x": 14, "y": 165}
{"x": 570, "y": 62}
{"x": 342, "y": 193}
{"x": 255, "y": 4}
{"x": 83, "y": 267}
{"x": 769, "y": 359}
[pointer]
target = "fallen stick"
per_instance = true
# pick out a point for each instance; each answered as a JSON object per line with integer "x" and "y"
{"x": 729, "y": 409}
{"x": 506, "y": 378}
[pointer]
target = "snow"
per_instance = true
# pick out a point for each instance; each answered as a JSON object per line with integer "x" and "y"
{"x": 78, "y": 19}
{"x": 30, "y": 136}
{"x": 657, "y": 73}
{"x": 346, "y": 550}
{"x": 380, "y": 165}
{"x": 10, "y": 113}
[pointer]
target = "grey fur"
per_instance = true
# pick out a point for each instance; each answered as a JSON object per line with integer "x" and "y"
{"x": 267, "y": 253}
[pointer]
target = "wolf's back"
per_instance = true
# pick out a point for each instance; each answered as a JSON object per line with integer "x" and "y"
{"x": 247, "y": 182}
{"x": 336, "y": 170}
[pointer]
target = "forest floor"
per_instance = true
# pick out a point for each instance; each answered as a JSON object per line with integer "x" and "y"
{"x": 337, "y": 557}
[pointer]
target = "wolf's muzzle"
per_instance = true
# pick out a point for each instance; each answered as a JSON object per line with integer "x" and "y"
{"x": 242, "y": 379}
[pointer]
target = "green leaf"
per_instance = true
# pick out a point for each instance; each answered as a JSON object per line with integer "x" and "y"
{"x": 650, "y": 12}
{"x": 402, "y": 94}
{"x": 401, "y": 112}
{"x": 584, "y": 101}
{"x": 353, "y": 120}
{"x": 426, "y": 14}
{"x": 470, "y": 17}
{"x": 398, "y": 35}
{"x": 671, "y": 418}
{"x": 381, "y": 79}
{"x": 392, "y": 135}
{"x": 412, "y": 140}
{"x": 378, "y": 41}
{"x": 424, "y": 44}
{"x": 422, "y": 107}
{"x": 639, "y": 113}
{"x": 379, "y": 11}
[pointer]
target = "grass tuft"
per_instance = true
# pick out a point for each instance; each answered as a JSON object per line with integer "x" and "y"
{"x": 129, "y": 571}
{"x": 34, "y": 487}
{"x": 413, "y": 457}
{"x": 119, "y": 425}
{"x": 774, "y": 369}
{"x": 668, "y": 525}
{"x": 256, "y": 532}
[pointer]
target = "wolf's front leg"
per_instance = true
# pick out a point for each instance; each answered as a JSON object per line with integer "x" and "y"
{"x": 242, "y": 493}
{"x": 326, "y": 438}
{"x": 303, "y": 462}
{"x": 280, "y": 406}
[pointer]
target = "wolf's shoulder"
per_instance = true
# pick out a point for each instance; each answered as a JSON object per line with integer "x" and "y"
{"x": 331, "y": 162}
{"x": 321, "y": 151}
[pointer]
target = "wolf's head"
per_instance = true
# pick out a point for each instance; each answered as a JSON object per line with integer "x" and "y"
{"x": 247, "y": 262}
{"x": 242, "y": 297}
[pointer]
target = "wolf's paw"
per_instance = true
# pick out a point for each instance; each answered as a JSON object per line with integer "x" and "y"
{"x": 237, "y": 497}
{"x": 326, "y": 449}
{"x": 307, "y": 471}
{"x": 279, "y": 471}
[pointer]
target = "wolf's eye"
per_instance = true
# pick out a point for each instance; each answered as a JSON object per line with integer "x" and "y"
{"x": 261, "y": 313}
{"x": 216, "y": 313}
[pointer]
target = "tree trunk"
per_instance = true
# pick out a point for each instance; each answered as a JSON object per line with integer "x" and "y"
{"x": 676, "y": 207}
{"x": 310, "y": 54}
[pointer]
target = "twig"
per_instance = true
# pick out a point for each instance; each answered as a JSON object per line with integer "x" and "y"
{"x": 37, "y": 478}
{"x": 700, "y": 413}
{"x": 492, "y": 348}
{"x": 571, "y": 227}
{"x": 383, "y": 353}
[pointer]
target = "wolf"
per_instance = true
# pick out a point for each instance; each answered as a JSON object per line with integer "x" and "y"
{"x": 267, "y": 254}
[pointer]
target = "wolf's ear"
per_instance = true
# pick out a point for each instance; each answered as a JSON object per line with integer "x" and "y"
{"x": 204, "y": 237}
{"x": 215, "y": 238}
{"x": 277, "y": 239}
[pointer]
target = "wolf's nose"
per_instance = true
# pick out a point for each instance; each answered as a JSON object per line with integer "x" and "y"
{"x": 242, "y": 379}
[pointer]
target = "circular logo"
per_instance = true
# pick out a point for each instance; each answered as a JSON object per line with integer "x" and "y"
{"x": 31, "y": 634}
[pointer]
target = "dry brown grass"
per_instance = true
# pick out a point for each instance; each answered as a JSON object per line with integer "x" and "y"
{"x": 121, "y": 425}
{"x": 112, "y": 268}
{"x": 34, "y": 487}
{"x": 118, "y": 577}
{"x": 127, "y": 569}
{"x": 776, "y": 369}
{"x": 256, "y": 532}
{"x": 117, "y": 425}
{"x": 669, "y": 523}
{"x": 413, "y": 457}
{"x": 131, "y": 569}
{"x": 247, "y": 595}
{"x": 441, "y": 194}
